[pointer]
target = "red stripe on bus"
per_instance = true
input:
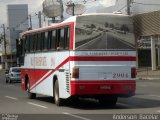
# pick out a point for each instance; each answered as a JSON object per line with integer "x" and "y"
{"x": 102, "y": 58}
{"x": 86, "y": 58}
{"x": 48, "y": 28}
{"x": 60, "y": 65}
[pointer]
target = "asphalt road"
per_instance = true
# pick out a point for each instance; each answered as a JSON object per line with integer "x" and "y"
{"x": 106, "y": 41}
{"x": 14, "y": 100}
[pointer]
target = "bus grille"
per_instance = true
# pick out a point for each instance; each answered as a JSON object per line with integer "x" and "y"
{"x": 67, "y": 81}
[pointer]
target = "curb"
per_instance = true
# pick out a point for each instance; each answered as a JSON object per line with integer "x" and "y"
{"x": 148, "y": 78}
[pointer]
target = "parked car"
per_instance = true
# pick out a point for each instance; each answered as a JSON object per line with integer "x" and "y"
{"x": 13, "y": 74}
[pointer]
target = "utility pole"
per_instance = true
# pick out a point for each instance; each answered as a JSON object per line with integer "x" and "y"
{"x": 61, "y": 3}
{"x": 72, "y": 5}
{"x": 129, "y": 7}
{"x": 5, "y": 45}
{"x": 4, "y": 32}
{"x": 39, "y": 17}
{"x": 30, "y": 19}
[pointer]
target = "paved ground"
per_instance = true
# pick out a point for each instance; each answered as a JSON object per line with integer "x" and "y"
{"x": 147, "y": 73}
{"x": 14, "y": 100}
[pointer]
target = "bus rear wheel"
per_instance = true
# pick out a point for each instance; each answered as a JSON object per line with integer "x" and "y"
{"x": 109, "y": 101}
{"x": 30, "y": 95}
{"x": 57, "y": 99}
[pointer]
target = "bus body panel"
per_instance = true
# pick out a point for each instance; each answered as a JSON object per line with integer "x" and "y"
{"x": 101, "y": 53}
{"x": 101, "y": 74}
{"x": 47, "y": 66}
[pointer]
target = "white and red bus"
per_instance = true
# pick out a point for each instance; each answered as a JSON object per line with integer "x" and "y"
{"x": 89, "y": 55}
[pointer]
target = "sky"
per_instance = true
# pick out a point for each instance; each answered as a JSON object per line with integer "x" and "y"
{"x": 36, "y": 5}
{"x": 92, "y": 6}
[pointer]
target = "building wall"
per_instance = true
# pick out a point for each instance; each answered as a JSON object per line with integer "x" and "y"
{"x": 147, "y": 24}
{"x": 17, "y": 22}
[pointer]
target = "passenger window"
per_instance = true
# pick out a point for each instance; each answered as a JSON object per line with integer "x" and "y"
{"x": 27, "y": 44}
{"x": 36, "y": 42}
{"x": 31, "y": 37}
{"x": 62, "y": 42}
{"x": 45, "y": 40}
{"x": 42, "y": 41}
{"x": 53, "y": 40}
{"x": 39, "y": 42}
{"x": 49, "y": 40}
{"x": 67, "y": 37}
{"x": 57, "y": 39}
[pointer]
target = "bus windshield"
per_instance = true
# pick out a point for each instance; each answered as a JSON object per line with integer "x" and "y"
{"x": 104, "y": 32}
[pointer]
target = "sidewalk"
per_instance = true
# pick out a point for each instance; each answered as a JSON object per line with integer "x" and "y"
{"x": 146, "y": 73}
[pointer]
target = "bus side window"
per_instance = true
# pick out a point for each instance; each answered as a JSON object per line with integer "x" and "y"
{"x": 67, "y": 37}
{"x": 53, "y": 40}
{"x": 42, "y": 41}
{"x": 62, "y": 43}
{"x": 27, "y": 44}
{"x": 23, "y": 44}
{"x": 58, "y": 39}
{"x": 36, "y": 42}
{"x": 31, "y": 37}
{"x": 46, "y": 40}
{"x": 34, "y": 39}
{"x": 39, "y": 42}
{"x": 49, "y": 40}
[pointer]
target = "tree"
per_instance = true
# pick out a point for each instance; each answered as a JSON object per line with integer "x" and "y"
{"x": 106, "y": 24}
{"x": 93, "y": 26}
{"x": 124, "y": 28}
{"x": 111, "y": 25}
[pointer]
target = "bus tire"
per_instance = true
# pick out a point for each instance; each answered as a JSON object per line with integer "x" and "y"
{"x": 30, "y": 95}
{"x": 109, "y": 101}
{"x": 57, "y": 99}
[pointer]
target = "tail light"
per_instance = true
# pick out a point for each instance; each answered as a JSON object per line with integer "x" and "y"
{"x": 133, "y": 72}
{"x": 75, "y": 72}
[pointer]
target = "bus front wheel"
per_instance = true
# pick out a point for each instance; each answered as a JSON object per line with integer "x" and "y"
{"x": 57, "y": 99}
{"x": 30, "y": 95}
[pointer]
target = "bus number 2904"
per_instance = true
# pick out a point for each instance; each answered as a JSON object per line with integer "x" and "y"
{"x": 120, "y": 75}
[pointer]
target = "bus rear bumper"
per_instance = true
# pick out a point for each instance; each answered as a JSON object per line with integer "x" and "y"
{"x": 122, "y": 88}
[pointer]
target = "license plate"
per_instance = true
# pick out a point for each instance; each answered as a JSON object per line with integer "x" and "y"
{"x": 105, "y": 87}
